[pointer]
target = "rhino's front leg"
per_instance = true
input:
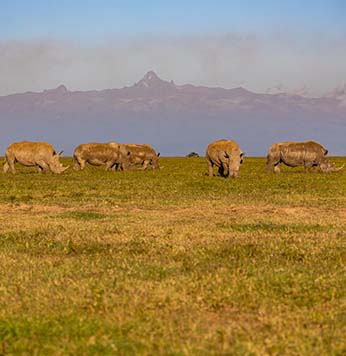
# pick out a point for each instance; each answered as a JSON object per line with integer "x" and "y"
{"x": 43, "y": 166}
{"x": 114, "y": 167}
{"x": 307, "y": 167}
{"x": 220, "y": 171}
{"x": 145, "y": 165}
{"x": 226, "y": 170}
{"x": 12, "y": 167}
{"x": 77, "y": 165}
{"x": 109, "y": 165}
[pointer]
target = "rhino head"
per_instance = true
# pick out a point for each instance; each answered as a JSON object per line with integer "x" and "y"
{"x": 154, "y": 161}
{"x": 234, "y": 160}
{"x": 328, "y": 167}
{"x": 55, "y": 165}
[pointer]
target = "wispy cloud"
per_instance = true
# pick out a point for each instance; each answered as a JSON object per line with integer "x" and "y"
{"x": 227, "y": 60}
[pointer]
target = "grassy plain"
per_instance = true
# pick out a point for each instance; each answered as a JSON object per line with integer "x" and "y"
{"x": 173, "y": 262}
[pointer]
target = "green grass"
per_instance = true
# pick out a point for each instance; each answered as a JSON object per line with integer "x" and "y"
{"x": 173, "y": 262}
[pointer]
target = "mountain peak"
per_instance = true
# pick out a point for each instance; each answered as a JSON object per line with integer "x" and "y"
{"x": 151, "y": 76}
{"x": 152, "y": 80}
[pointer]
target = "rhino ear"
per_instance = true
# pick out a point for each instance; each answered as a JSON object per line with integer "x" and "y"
{"x": 241, "y": 157}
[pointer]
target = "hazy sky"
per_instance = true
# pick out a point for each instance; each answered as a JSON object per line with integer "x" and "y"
{"x": 265, "y": 46}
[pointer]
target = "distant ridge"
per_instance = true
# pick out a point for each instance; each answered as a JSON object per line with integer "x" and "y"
{"x": 176, "y": 118}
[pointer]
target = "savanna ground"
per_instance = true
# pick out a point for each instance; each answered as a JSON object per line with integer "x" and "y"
{"x": 173, "y": 262}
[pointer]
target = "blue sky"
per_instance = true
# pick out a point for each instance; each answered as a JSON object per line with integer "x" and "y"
{"x": 297, "y": 46}
{"x": 98, "y": 18}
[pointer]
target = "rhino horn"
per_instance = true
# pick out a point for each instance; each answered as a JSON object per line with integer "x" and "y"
{"x": 59, "y": 169}
{"x": 339, "y": 168}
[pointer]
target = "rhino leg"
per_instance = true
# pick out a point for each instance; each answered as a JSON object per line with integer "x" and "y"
{"x": 10, "y": 160}
{"x": 210, "y": 168}
{"x": 81, "y": 163}
{"x": 145, "y": 164}
{"x": 44, "y": 166}
{"x": 226, "y": 170}
{"x": 270, "y": 166}
{"x": 109, "y": 165}
{"x": 6, "y": 167}
{"x": 123, "y": 167}
{"x": 11, "y": 166}
{"x": 77, "y": 165}
{"x": 273, "y": 162}
{"x": 114, "y": 167}
{"x": 308, "y": 166}
{"x": 277, "y": 168}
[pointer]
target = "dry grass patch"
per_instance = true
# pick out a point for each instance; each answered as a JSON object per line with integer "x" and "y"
{"x": 173, "y": 262}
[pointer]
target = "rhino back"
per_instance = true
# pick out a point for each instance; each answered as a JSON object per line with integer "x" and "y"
{"x": 29, "y": 153}
{"x": 96, "y": 151}
{"x": 215, "y": 151}
{"x": 141, "y": 151}
{"x": 298, "y": 153}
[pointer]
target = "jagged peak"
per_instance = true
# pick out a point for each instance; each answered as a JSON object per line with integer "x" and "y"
{"x": 152, "y": 80}
{"x": 151, "y": 75}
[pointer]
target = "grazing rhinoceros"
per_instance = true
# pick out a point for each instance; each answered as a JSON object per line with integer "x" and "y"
{"x": 226, "y": 155}
{"x": 144, "y": 155}
{"x": 293, "y": 154}
{"x": 40, "y": 154}
{"x": 101, "y": 154}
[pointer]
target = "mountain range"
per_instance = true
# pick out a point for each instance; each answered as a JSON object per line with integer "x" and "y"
{"x": 175, "y": 119}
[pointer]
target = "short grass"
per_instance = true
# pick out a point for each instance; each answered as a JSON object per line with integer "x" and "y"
{"x": 173, "y": 262}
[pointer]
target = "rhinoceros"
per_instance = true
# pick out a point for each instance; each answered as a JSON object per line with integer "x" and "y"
{"x": 40, "y": 154}
{"x": 101, "y": 154}
{"x": 293, "y": 154}
{"x": 144, "y": 155}
{"x": 226, "y": 155}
